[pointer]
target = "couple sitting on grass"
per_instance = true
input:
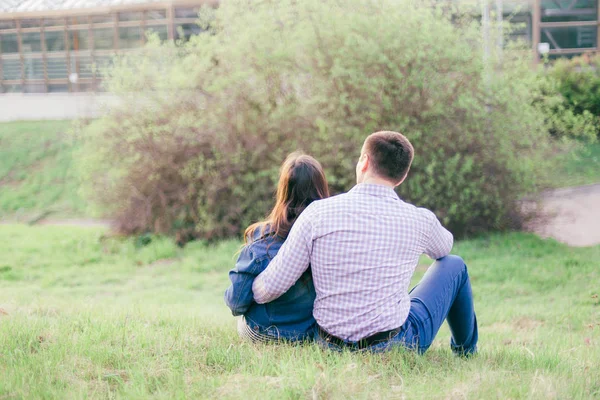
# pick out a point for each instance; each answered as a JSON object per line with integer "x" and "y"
{"x": 337, "y": 270}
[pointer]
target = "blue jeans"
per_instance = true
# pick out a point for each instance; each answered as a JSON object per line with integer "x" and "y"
{"x": 444, "y": 293}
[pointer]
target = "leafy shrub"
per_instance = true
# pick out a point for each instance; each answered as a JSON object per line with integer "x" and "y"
{"x": 572, "y": 98}
{"x": 195, "y": 146}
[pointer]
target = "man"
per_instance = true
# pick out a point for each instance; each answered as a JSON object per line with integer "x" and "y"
{"x": 363, "y": 247}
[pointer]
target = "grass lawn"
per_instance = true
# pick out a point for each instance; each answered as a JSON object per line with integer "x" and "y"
{"x": 36, "y": 173}
{"x": 85, "y": 316}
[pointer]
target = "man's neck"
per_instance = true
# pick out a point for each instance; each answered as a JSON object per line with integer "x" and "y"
{"x": 373, "y": 180}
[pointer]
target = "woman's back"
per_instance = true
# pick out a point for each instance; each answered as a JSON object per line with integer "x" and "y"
{"x": 290, "y": 316}
{"x": 301, "y": 181}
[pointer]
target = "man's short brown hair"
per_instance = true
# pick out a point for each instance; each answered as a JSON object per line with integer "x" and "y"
{"x": 390, "y": 153}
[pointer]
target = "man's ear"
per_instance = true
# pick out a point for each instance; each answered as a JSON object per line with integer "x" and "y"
{"x": 365, "y": 163}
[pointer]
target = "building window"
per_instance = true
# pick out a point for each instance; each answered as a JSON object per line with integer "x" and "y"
{"x": 82, "y": 65}
{"x": 578, "y": 37}
{"x": 79, "y": 40}
{"x": 187, "y": 12}
{"x": 9, "y": 43}
{"x": 568, "y": 10}
{"x": 131, "y": 16}
{"x": 7, "y": 24}
{"x": 31, "y": 23}
{"x": 57, "y": 67}
{"x": 160, "y": 30}
{"x": 55, "y": 41}
{"x": 32, "y": 42}
{"x": 58, "y": 88}
{"x": 130, "y": 37}
{"x": 11, "y": 88}
{"x": 54, "y": 21}
{"x": 11, "y": 70}
{"x": 104, "y": 39}
{"x": 34, "y": 87}
{"x": 34, "y": 68}
{"x": 102, "y": 18}
{"x": 156, "y": 15}
{"x": 185, "y": 31}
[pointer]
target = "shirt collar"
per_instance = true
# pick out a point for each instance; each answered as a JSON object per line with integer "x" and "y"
{"x": 375, "y": 190}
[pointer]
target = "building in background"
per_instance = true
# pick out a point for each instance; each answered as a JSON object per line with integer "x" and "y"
{"x": 55, "y": 49}
{"x": 557, "y": 28}
{"x": 565, "y": 27}
{"x": 53, "y": 46}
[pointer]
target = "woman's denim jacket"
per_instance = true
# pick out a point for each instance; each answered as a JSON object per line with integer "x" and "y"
{"x": 288, "y": 317}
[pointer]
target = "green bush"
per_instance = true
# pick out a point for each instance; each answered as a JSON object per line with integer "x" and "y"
{"x": 572, "y": 98}
{"x": 195, "y": 147}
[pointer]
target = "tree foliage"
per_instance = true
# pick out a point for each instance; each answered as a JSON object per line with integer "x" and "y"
{"x": 202, "y": 126}
{"x": 572, "y": 98}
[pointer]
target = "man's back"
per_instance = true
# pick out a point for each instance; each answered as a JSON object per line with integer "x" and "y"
{"x": 363, "y": 247}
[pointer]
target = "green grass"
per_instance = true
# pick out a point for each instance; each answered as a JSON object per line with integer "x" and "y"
{"x": 36, "y": 173}
{"x": 580, "y": 167}
{"x": 95, "y": 317}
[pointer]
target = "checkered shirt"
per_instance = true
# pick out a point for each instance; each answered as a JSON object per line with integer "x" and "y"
{"x": 363, "y": 247}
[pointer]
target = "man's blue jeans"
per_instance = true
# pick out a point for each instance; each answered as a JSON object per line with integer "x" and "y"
{"x": 444, "y": 293}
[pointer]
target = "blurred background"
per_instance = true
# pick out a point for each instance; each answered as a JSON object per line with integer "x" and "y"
{"x": 138, "y": 139}
{"x": 177, "y": 108}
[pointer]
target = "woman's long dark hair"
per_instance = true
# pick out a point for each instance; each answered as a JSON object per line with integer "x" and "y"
{"x": 301, "y": 181}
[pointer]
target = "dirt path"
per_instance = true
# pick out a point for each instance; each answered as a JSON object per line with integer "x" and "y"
{"x": 572, "y": 216}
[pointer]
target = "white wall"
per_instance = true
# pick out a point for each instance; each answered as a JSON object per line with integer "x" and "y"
{"x": 19, "y": 106}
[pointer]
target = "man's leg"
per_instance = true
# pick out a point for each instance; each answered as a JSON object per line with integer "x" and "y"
{"x": 445, "y": 293}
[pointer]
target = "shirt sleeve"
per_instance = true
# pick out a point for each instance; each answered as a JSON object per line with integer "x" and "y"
{"x": 439, "y": 241}
{"x": 288, "y": 265}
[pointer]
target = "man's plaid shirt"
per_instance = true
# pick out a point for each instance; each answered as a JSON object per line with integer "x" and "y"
{"x": 363, "y": 247}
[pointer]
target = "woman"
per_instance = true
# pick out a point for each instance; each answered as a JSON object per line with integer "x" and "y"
{"x": 301, "y": 181}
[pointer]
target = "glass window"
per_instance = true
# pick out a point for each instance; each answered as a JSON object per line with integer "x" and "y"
{"x": 9, "y": 43}
{"x": 187, "y": 12}
{"x": 55, "y": 41}
{"x": 570, "y": 38}
{"x": 131, "y": 16}
{"x": 104, "y": 39}
{"x": 57, "y": 68}
{"x": 34, "y": 68}
{"x": 160, "y": 30}
{"x": 7, "y": 24}
{"x": 11, "y": 70}
{"x": 84, "y": 87}
{"x": 31, "y": 23}
{"x": 102, "y": 18}
{"x": 520, "y": 28}
{"x": 11, "y": 88}
{"x": 82, "y": 66}
{"x": 153, "y": 15}
{"x": 568, "y": 10}
{"x": 58, "y": 88}
{"x": 54, "y": 21}
{"x": 78, "y": 21}
{"x": 35, "y": 87}
{"x": 31, "y": 42}
{"x": 184, "y": 31}
{"x": 79, "y": 40}
{"x": 130, "y": 37}
{"x": 101, "y": 64}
